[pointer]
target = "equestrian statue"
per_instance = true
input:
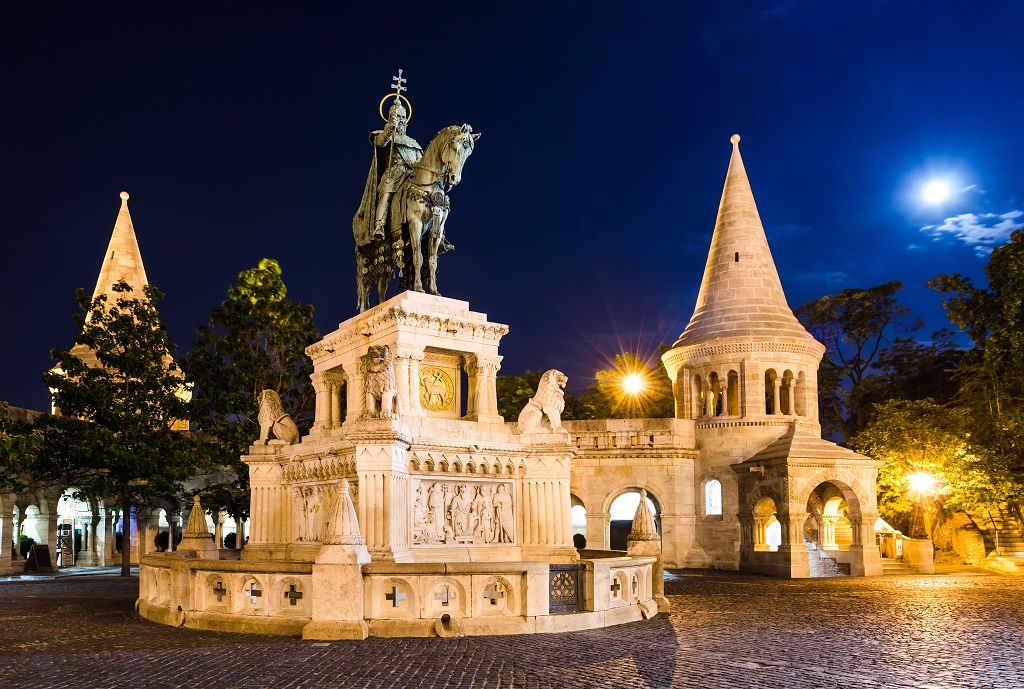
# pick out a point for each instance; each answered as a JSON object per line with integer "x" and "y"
{"x": 400, "y": 222}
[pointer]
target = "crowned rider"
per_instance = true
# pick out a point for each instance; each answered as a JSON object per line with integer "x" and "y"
{"x": 395, "y": 154}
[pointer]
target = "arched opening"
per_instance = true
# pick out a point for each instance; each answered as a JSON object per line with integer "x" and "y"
{"x": 621, "y": 513}
{"x": 30, "y": 524}
{"x": 771, "y": 392}
{"x": 698, "y": 397}
{"x": 713, "y": 498}
{"x": 835, "y": 516}
{"x": 714, "y": 395}
{"x": 578, "y": 514}
{"x": 733, "y": 393}
{"x": 767, "y": 531}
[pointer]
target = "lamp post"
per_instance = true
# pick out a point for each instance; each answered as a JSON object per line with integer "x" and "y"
{"x": 920, "y": 483}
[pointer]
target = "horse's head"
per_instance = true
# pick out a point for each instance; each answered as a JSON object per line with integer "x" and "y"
{"x": 455, "y": 152}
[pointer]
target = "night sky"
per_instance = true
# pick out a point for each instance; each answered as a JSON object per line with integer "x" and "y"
{"x": 585, "y": 213}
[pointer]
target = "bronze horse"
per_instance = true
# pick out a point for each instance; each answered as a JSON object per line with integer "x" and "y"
{"x": 416, "y": 220}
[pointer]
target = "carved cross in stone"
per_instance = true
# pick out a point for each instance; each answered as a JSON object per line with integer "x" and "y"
{"x": 254, "y": 592}
{"x": 292, "y": 595}
{"x": 616, "y": 587}
{"x": 493, "y": 593}
{"x": 219, "y": 591}
{"x": 445, "y": 595}
{"x": 397, "y": 85}
{"x": 395, "y": 596}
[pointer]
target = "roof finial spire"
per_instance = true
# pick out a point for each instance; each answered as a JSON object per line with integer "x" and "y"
{"x": 735, "y": 139}
{"x": 124, "y": 195}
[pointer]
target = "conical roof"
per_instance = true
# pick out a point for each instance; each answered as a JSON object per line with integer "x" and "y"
{"x": 741, "y": 295}
{"x": 123, "y": 260}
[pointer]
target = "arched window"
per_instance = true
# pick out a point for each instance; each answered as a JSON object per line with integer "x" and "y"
{"x": 786, "y": 393}
{"x": 771, "y": 392}
{"x": 713, "y": 497}
{"x": 714, "y": 403}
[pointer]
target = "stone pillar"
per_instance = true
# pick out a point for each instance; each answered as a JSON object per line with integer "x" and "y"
{"x": 356, "y": 397}
{"x": 828, "y": 532}
{"x": 793, "y": 552}
{"x": 218, "y": 529}
{"x": 482, "y": 372}
{"x": 336, "y": 386}
{"x": 776, "y": 397}
{"x": 414, "y": 357}
{"x": 402, "y": 377}
{"x": 723, "y": 393}
{"x": 322, "y": 419}
{"x": 7, "y": 532}
{"x": 791, "y": 396}
{"x": 597, "y": 530}
{"x": 644, "y": 541}
{"x": 336, "y": 600}
{"x": 383, "y": 491}
{"x": 270, "y": 506}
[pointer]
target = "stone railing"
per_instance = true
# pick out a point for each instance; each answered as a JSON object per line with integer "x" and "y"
{"x": 399, "y": 600}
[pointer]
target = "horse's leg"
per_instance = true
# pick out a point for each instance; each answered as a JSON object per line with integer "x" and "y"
{"x": 415, "y": 221}
{"x": 434, "y": 239}
{"x": 362, "y": 281}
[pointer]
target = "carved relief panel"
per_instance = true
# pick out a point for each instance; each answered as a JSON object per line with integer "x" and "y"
{"x": 463, "y": 513}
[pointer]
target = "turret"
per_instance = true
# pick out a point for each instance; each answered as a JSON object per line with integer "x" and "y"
{"x": 743, "y": 354}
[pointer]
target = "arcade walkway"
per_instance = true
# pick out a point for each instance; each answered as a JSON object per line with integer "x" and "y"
{"x": 964, "y": 629}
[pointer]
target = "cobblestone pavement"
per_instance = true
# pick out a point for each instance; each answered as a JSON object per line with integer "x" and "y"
{"x": 725, "y": 630}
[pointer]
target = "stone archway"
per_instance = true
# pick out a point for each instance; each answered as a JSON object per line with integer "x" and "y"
{"x": 844, "y": 516}
{"x": 621, "y": 508}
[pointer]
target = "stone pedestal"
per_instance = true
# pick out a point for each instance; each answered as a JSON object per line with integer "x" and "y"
{"x": 919, "y": 553}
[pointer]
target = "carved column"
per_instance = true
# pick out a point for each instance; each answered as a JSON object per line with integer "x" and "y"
{"x": 337, "y": 382}
{"x": 776, "y": 397}
{"x": 7, "y": 533}
{"x": 414, "y": 356}
{"x": 828, "y": 531}
{"x": 473, "y": 371}
{"x": 218, "y": 529}
{"x": 322, "y": 419}
{"x": 791, "y": 396}
{"x": 356, "y": 398}
{"x": 723, "y": 393}
{"x": 402, "y": 377}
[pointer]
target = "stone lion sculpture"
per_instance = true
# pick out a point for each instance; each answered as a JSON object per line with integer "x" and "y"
{"x": 276, "y": 426}
{"x": 378, "y": 369}
{"x": 549, "y": 401}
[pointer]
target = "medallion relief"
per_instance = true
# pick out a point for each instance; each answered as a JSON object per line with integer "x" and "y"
{"x": 437, "y": 389}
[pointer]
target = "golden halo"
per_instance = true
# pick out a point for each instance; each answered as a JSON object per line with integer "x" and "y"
{"x": 380, "y": 108}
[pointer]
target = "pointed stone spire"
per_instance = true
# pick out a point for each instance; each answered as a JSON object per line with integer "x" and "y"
{"x": 741, "y": 295}
{"x": 644, "y": 528}
{"x": 196, "y": 540}
{"x": 343, "y": 528}
{"x": 196, "y": 526}
{"x": 123, "y": 259}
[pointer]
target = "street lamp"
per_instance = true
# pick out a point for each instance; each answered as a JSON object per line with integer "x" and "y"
{"x": 920, "y": 483}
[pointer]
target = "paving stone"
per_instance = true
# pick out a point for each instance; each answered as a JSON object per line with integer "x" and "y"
{"x": 726, "y": 630}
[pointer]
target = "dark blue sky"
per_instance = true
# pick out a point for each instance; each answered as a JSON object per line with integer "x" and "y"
{"x": 585, "y": 213}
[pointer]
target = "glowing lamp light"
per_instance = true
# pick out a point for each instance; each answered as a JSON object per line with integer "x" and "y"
{"x": 936, "y": 191}
{"x": 632, "y": 384}
{"x": 921, "y": 482}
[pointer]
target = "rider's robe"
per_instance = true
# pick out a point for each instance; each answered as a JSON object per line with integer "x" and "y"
{"x": 393, "y": 161}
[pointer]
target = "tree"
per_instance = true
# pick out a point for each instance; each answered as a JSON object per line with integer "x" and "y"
{"x": 18, "y": 442}
{"x": 991, "y": 376}
{"x": 125, "y": 446}
{"x": 256, "y": 340}
{"x": 853, "y": 325}
{"x": 920, "y": 436}
{"x": 631, "y": 388}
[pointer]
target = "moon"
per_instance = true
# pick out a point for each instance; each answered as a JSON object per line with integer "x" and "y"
{"x": 936, "y": 191}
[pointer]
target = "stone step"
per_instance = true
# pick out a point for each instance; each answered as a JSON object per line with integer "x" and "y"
{"x": 895, "y": 567}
